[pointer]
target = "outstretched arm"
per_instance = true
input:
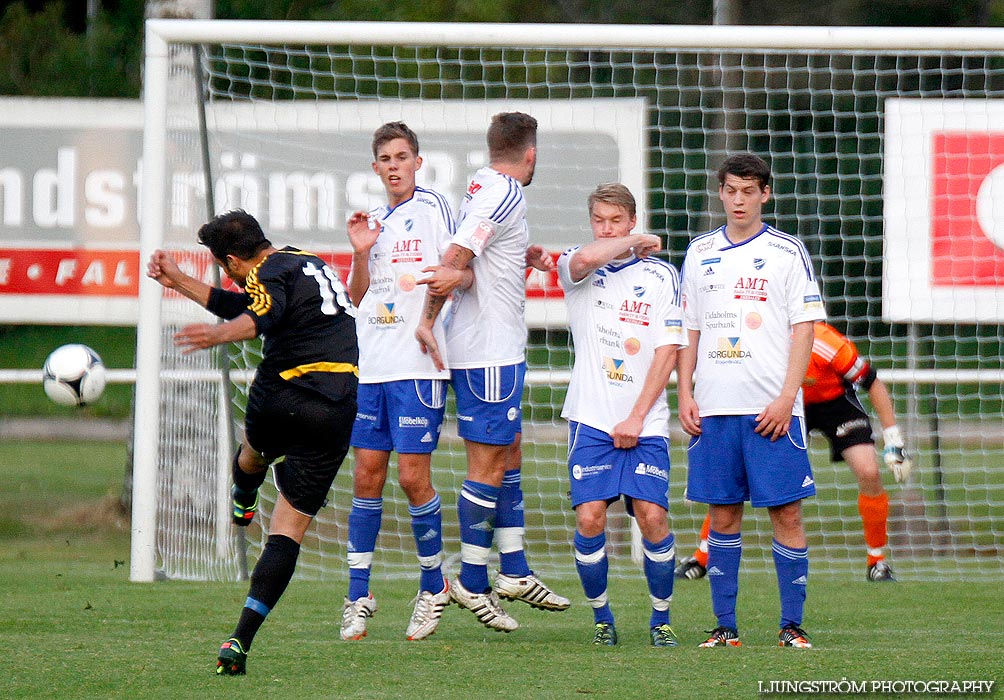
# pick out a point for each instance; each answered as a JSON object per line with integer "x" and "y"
{"x": 538, "y": 258}
{"x": 598, "y": 253}
{"x": 199, "y": 336}
{"x": 164, "y": 268}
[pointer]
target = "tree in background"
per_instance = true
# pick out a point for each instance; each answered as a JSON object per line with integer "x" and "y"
{"x": 46, "y": 50}
{"x": 51, "y": 47}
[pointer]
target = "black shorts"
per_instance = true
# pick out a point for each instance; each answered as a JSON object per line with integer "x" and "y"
{"x": 843, "y": 421}
{"x": 309, "y": 429}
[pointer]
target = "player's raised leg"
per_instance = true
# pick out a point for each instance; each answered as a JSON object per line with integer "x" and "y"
{"x": 248, "y": 470}
{"x": 516, "y": 581}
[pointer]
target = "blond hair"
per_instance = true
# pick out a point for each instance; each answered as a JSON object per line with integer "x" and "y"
{"x": 613, "y": 193}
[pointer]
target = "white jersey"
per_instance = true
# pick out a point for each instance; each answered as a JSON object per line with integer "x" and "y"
{"x": 744, "y": 299}
{"x": 413, "y": 235}
{"x": 619, "y": 315}
{"x": 486, "y": 327}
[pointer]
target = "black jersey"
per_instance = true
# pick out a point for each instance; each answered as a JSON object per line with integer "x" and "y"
{"x": 303, "y": 313}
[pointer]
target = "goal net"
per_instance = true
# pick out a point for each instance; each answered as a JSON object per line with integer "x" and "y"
{"x": 886, "y": 164}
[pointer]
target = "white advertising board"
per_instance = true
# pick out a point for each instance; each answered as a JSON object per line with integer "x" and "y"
{"x": 943, "y": 257}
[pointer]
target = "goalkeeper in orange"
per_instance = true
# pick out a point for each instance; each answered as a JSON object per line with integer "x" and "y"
{"x": 836, "y": 371}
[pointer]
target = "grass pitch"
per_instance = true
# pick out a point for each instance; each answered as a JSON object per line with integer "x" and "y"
{"x": 73, "y": 626}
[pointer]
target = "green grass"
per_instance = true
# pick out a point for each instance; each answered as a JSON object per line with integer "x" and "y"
{"x": 73, "y": 626}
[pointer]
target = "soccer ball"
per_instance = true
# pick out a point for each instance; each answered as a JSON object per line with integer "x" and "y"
{"x": 73, "y": 375}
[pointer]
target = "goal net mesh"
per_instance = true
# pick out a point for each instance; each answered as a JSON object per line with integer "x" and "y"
{"x": 289, "y": 131}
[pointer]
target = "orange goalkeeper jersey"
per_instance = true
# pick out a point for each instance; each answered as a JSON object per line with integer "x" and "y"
{"x": 834, "y": 364}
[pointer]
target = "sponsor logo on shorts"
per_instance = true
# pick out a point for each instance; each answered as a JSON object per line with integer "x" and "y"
{"x": 412, "y": 422}
{"x": 427, "y": 437}
{"x": 365, "y": 416}
{"x": 807, "y": 482}
{"x": 580, "y": 472}
{"x": 466, "y": 419}
{"x": 511, "y": 413}
{"x": 844, "y": 429}
{"x": 651, "y": 470}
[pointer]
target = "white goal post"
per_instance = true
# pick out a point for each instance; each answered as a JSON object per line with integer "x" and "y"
{"x": 885, "y": 160}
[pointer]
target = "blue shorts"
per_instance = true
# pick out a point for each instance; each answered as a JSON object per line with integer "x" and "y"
{"x": 488, "y": 403}
{"x": 598, "y": 471}
{"x": 403, "y": 416}
{"x": 730, "y": 463}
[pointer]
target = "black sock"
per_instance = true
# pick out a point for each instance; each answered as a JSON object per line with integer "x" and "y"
{"x": 268, "y": 582}
{"x": 247, "y": 483}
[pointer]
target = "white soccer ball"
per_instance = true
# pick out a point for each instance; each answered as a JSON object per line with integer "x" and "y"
{"x": 73, "y": 375}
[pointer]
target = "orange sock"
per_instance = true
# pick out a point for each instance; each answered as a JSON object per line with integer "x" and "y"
{"x": 874, "y": 515}
{"x": 701, "y": 553}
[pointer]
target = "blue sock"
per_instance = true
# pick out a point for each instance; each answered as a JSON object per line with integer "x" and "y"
{"x": 724, "y": 554}
{"x": 510, "y": 526}
{"x": 427, "y": 526}
{"x": 660, "y": 560}
{"x": 476, "y": 509}
{"x": 592, "y": 565}
{"x": 364, "y": 526}
{"x": 792, "y": 566}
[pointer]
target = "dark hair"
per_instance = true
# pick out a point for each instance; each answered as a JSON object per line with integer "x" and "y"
{"x": 391, "y": 131}
{"x": 747, "y": 166}
{"x": 235, "y": 233}
{"x": 509, "y": 135}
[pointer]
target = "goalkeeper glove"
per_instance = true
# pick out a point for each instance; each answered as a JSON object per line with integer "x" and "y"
{"x": 895, "y": 457}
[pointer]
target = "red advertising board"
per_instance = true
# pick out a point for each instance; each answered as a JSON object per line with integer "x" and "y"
{"x": 962, "y": 252}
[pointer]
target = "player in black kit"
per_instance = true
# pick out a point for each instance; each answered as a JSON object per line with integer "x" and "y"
{"x": 302, "y": 402}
